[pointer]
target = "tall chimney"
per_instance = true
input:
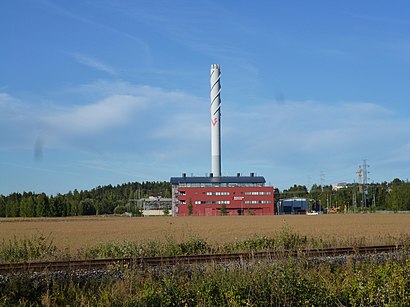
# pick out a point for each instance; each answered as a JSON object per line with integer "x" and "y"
{"x": 216, "y": 119}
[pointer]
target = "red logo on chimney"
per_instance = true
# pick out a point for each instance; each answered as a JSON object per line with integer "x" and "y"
{"x": 214, "y": 121}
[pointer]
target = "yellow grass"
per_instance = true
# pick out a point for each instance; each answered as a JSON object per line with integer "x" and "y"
{"x": 72, "y": 233}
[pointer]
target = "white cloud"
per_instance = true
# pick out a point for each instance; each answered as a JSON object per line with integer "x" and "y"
{"x": 301, "y": 138}
{"x": 312, "y": 126}
{"x": 94, "y": 63}
{"x": 158, "y": 128}
{"x": 120, "y": 114}
{"x": 93, "y": 118}
{"x": 400, "y": 154}
{"x": 15, "y": 122}
{"x": 8, "y": 103}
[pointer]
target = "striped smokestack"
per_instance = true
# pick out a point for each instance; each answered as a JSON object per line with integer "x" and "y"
{"x": 216, "y": 120}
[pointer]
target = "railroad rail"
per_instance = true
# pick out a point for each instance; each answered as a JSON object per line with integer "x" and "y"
{"x": 190, "y": 259}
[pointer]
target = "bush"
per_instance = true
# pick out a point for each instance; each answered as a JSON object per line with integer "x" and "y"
{"x": 120, "y": 210}
{"x": 38, "y": 247}
{"x": 288, "y": 282}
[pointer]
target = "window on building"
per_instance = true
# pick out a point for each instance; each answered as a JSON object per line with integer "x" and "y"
{"x": 223, "y": 202}
{"x": 216, "y": 193}
{"x": 257, "y": 193}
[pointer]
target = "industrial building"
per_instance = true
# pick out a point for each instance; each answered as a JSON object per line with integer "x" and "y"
{"x": 293, "y": 206}
{"x": 156, "y": 206}
{"x": 240, "y": 195}
{"x": 216, "y": 194}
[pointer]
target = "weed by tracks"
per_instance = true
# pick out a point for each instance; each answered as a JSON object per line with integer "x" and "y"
{"x": 369, "y": 282}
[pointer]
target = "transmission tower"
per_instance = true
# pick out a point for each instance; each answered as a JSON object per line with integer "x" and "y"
{"x": 364, "y": 188}
{"x": 354, "y": 200}
{"x": 322, "y": 179}
{"x": 360, "y": 175}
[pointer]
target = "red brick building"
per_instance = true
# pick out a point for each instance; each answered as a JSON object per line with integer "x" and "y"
{"x": 240, "y": 195}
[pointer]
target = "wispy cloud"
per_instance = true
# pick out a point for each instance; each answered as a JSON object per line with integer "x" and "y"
{"x": 306, "y": 136}
{"x": 149, "y": 112}
{"x": 96, "y": 117}
{"x": 189, "y": 25}
{"x": 309, "y": 127}
{"x": 94, "y": 63}
{"x": 380, "y": 19}
{"x": 291, "y": 139}
{"x": 61, "y": 10}
{"x": 8, "y": 102}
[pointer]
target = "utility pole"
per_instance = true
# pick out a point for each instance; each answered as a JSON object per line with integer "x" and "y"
{"x": 354, "y": 201}
{"x": 365, "y": 173}
{"x": 327, "y": 202}
{"x": 331, "y": 199}
{"x": 360, "y": 175}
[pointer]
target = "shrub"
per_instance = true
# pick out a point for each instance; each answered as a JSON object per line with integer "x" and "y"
{"x": 38, "y": 247}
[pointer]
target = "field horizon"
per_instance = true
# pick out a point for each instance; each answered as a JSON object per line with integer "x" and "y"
{"x": 73, "y": 233}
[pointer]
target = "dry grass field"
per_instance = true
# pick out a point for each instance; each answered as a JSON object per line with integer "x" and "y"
{"x": 72, "y": 233}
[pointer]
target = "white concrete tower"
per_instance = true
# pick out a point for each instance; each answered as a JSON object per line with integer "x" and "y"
{"x": 216, "y": 119}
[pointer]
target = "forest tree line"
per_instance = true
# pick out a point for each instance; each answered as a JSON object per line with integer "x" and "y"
{"x": 100, "y": 200}
{"x": 393, "y": 196}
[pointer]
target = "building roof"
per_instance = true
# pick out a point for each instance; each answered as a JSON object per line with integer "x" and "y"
{"x": 224, "y": 179}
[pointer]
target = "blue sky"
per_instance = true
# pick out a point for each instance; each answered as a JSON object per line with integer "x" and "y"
{"x": 106, "y": 92}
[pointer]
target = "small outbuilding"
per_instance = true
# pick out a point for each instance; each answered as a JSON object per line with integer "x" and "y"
{"x": 293, "y": 206}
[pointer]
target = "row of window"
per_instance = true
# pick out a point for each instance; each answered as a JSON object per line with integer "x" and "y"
{"x": 219, "y": 202}
{"x": 258, "y": 193}
{"x": 216, "y": 193}
{"x": 228, "y": 193}
{"x": 227, "y": 202}
{"x": 257, "y": 202}
{"x": 205, "y": 185}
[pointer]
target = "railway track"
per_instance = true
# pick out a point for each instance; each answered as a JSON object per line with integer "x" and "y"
{"x": 191, "y": 259}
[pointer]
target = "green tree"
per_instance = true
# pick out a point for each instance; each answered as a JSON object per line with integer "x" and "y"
{"x": 223, "y": 210}
{"x": 381, "y": 193}
{"x": 276, "y": 198}
{"x": 27, "y": 206}
{"x": 136, "y": 210}
{"x": 87, "y": 207}
{"x": 295, "y": 191}
{"x": 342, "y": 198}
{"x": 41, "y": 204}
{"x": 190, "y": 207}
{"x": 13, "y": 205}
{"x": 166, "y": 210}
{"x": 120, "y": 210}
{"x": 2, "y": 206}
{"x": 58, "y": 206}
{"x": 399, "y": 196}
{"x": 73, "y": 207}
{"x": 75, "y": 203}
